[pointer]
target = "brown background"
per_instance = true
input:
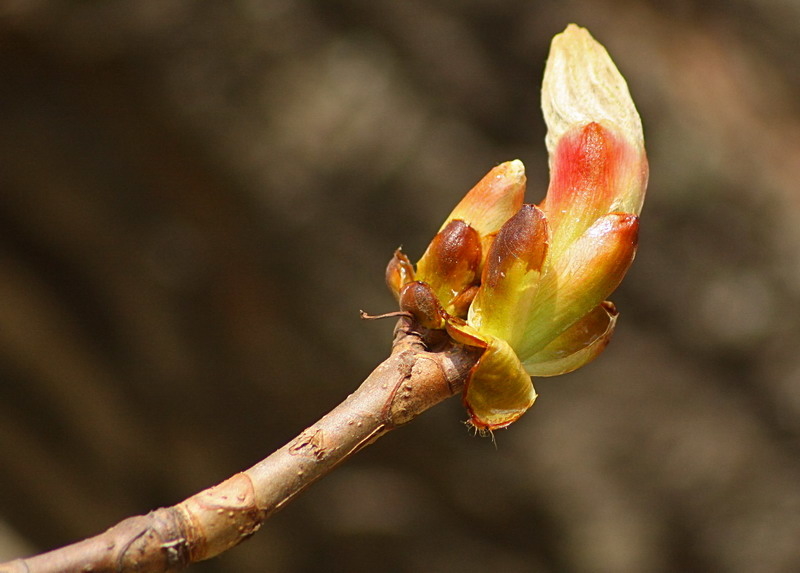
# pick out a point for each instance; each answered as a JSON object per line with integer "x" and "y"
{"x": 196, "y": 198}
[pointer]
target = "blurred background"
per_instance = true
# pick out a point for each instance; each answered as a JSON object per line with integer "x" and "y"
{"x": 196, "y": 199}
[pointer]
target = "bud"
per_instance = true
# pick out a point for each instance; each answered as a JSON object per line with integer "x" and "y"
{"x": 419, "y": 299}
{"x": 498, "y": 389}
{"x": 594, "y": 137}
{"x": 545, "y": 283}
{"x": 452, "y": 263}
{"x": 533, "y": 281}
{"x": 493, "y": 200}
{"x": 511, "y": 276}
{"x": 580, "y": 278}
{"x": 399, "y": 271}
{"x": 451, "y": 266}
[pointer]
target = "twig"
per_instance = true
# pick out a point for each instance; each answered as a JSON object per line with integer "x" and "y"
{"x": 417, "y": 376}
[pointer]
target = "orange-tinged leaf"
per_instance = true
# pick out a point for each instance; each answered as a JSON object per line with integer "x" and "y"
{"x": 578, "y": 345}
{"x": 451, "y": 264}
{"x": 580, "y": 278}
{"x": 493, "y": 200}
{"x": 594, "y": 137}
{"x": 593, "y": 172}
{"x": 581, "y": 84}
{"x": 399, "y": 271}
{"x": 498, "y": 390}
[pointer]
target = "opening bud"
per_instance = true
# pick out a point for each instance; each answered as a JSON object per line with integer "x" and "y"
{"x": 511, "y": 275}
{"x": 451, "y": 266}
{"x": 399, "y": 271}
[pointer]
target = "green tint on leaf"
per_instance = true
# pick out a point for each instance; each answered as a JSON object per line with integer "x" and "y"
{"x": 528, "y": 285}
{"x": 498, "y": 390}
{"x": 511, "y": 275}
{"x": 580, "y": 279}
{"x": 577, "y": 346}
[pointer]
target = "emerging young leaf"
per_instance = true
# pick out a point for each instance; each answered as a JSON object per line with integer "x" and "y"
{"x": 581, "y": 278}
{"x": 582, "y": 85}
{"x": 498, "y": 390}
{"x": 511, "y": 274}
{"x": 532, "y": 282}
{"x": 492, "y": 201}
{"x": 399, "y": 271}
{"x": 594, "y": 171}
{"x": 451, "y": 266}
{"x": 578, "y": 345}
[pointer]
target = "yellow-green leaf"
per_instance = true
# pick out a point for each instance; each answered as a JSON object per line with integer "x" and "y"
{"x": 511, "y": 276}
{"x": 580, "y": 279}
{"x": 577, "y": 346}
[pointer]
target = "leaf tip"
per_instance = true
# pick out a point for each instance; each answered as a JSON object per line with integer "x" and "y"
{"x": 582, "y": 84}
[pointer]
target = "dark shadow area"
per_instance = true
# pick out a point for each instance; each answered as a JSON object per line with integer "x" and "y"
{"x": 196, "y": 199}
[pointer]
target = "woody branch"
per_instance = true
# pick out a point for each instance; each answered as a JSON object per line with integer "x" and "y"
{"x": 417, "y": 376}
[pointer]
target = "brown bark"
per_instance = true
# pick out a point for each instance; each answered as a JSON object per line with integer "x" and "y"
{"x": 418, "y": 375}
